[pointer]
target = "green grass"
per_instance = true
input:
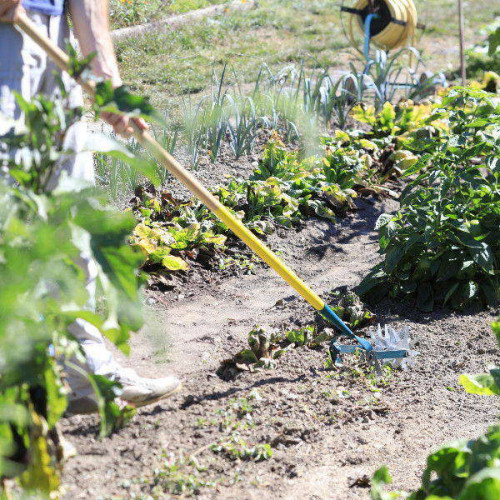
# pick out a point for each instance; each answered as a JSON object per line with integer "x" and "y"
{"x": 131, "y": 12}
{"x": 277, "y": 33}
{"x": 173, "y": 65}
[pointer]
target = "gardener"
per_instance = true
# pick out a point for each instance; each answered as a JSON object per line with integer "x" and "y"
{"x": 25, "y": 68}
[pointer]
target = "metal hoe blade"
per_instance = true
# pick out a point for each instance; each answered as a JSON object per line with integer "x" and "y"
{"x": 388, "y": 346}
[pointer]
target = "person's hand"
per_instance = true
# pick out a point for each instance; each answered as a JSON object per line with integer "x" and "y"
{"x": 10, "y": 10}
{"x": 122, "y": 124}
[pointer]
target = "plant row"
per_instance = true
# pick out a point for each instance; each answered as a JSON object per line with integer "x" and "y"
{"x": 443, "y": 246}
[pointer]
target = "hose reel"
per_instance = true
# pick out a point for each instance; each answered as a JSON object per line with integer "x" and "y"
{"x": 389, "y": 24}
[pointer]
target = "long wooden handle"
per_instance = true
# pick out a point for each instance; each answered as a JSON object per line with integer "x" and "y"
{"x": 180, "y": 173}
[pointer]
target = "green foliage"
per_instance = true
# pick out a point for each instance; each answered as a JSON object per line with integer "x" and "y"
{"x": 180, "y": 477}
{"x": 494, "y": 41}
{"x": 350, "y": 309}
{"x": 39, "y": 142}
{"x": 284, "y": 190}
{"x": 486, "y": 384}
{"x": 120, "y": 100}
{"x": 462, "y": 470}
{"x": 266, "y": 346}
{"x": 306, "y": 336}
{"x": 171, "y": 232}
{"x": 78, "y": 68}
{"x": 442, "y": 246}
{"x": 239, "y": 449}
{"x": 43, "y": 289}
{"x": 485, "y": 56}
{"x": 392, "y": 120}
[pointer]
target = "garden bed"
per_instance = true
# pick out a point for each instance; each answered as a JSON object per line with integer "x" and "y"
{"x": 298, "y": 428}
{"x": 327, "y": 430}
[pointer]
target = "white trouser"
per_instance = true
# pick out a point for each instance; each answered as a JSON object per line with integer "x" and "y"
{"x": 25, "y": 68}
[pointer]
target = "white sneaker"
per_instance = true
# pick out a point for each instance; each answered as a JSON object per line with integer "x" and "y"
{"x": 138, "y": 391}
{"x": 142, "y": 391}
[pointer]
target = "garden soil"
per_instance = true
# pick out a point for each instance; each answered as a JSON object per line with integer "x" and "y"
{"x": 328, "y": 430}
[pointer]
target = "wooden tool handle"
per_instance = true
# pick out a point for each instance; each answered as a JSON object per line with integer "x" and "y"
{"x": 180, "y": 173}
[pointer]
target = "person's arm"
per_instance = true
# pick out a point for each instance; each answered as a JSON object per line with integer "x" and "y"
{"x": 9, "y": 10}
{"x": 91, "y": 26}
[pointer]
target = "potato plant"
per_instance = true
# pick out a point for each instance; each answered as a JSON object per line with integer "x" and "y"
{"x": 442, "y": 246}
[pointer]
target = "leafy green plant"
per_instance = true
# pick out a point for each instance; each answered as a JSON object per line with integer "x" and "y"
{"x": 485, "y": 56}
{"x": 442, "y": 246}
{"x": 171, "y": 232}
{"x": 183, "y": 476}
{"x": 392, "y": 120}
{"x": 348, "y": 306}
{"x": 264, "y": 348}
{"x": 306, "y": 336}
{"x": 43, "y": 290}
{"x": 239, "y": 449}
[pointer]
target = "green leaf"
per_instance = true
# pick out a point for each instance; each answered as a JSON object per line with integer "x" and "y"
{"x": 121, "y": 100}
{"x": 394, "y": 254}
{"x": 479, "y": 250}
{"x": 369, "y": 145}
{"x": 484, "y": 385}
{"x": 382, "y": 476}
{"x": 173, "y": 263}
{"x": 485, "y": 485}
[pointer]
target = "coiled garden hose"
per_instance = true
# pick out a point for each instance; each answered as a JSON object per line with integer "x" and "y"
{"x": 394, "y": 24}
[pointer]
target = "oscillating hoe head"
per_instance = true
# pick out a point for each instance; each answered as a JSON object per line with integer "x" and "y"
{"x": 387, "y": 346}
{"x": 393, "y": 347}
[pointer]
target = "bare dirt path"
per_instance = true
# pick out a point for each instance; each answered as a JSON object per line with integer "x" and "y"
{"x": 328, "y": 430}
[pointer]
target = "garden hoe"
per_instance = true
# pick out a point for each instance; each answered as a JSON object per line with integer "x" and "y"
{"x": 392, "y": 346}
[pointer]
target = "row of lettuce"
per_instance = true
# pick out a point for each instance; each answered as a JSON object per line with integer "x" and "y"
{"x": 441, "y": 248}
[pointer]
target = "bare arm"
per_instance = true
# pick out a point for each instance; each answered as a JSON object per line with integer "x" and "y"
{"x": 91, "y": 26}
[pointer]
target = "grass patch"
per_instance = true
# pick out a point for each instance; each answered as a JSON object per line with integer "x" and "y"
{"x": 132, "y": 12}
{"x": 182, "y": 62}
{"x": 171, "y": 66}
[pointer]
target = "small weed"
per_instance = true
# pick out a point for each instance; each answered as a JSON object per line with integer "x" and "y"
{"x": 181, "y": 477}
{"x": 239, "y": 449}
{"x": 242, "y": 407}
